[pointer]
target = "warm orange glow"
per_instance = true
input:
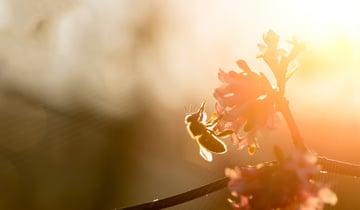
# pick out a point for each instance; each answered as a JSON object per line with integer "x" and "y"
{"x": 325, "y": 91}
{"x": 323, "y": 18}
{"x": 331, "y": 31}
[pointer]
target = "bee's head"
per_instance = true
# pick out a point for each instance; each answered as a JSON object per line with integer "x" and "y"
{"x": 196, "y": 116}
{"x": 192, "y": 117}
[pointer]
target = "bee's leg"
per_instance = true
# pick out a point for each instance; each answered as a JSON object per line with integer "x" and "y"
{"x": 224, "y": 133}
{"x": 214, "y": 122}
{"x": 221, "y": 134}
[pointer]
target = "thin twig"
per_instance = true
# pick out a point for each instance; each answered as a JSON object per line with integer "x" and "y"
{"x": 338, "y": 167}
{"x": 328, "y": 165}
{"x": 283, "y": 107}
{"x": 181, "y": 198}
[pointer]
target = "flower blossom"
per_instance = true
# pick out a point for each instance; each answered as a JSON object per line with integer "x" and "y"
{"x": 278, "y": 59}
{"x": 245, "y": 103}
{"x": 284, "y": 186}
{"x": 270, "y": 50}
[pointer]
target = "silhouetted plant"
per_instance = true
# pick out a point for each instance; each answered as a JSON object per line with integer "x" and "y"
{"x": 246, "y": 103}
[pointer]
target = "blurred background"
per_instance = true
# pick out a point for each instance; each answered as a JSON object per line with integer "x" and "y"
{"x": 92, "y": 95}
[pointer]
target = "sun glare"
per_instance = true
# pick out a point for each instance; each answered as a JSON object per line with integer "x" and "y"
{"x": 329, "y": 17}
{"x": 331, "y": 30}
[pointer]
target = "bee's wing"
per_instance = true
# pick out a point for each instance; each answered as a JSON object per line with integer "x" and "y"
{"x": 211, "y": 143}
{"x": 205, "y": 154}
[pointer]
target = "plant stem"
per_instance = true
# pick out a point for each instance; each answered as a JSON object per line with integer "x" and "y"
{"x": 283, "y": 107}
{"x": 338, "y": 167}
{"x": 181, "y": 198}
{"x": 328, "y": 165}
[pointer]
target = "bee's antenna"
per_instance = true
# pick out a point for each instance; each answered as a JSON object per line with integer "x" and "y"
{"x": 188, "y": 109}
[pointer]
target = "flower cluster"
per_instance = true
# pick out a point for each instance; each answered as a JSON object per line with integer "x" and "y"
{"x": 269, "y": 49}
{"x": 287, "y": 185}
{"x": 245, "y": 103}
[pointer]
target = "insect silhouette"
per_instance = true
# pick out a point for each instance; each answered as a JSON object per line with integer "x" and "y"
{"x": 205, "y": 134}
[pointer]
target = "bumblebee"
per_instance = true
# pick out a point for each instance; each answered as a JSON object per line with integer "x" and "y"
{"x": 204, "y": 132}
